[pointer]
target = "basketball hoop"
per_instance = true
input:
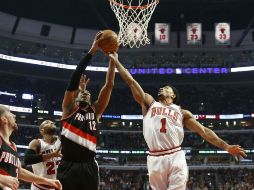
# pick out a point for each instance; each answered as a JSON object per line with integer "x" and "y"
{"x": 133, "y": 20}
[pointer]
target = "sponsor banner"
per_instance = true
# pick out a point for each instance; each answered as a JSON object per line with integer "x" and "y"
{"x": 43, "y": 111}
{"x": 217, "y": 116}
{"x": 246, "y": 115}
{"x": 7, "y": 93}
{"x": 18, "y": 109}
{"x": 233, "y": 116}
{"x": 222, "y": 34}
{"x": 178, "y": 71}
{"x": 162, "y": 31}
{"x": 111, "y": 116}
{"x": 133, "y": 71}
{"x": 207, "y": 116}
{"x": 242, "y": 69}
{"x": 194, "y": 33}
{"x": 132, "y": 117}
{"x": 58, "y": 113}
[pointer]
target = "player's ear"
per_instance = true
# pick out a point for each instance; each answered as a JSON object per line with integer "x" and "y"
{"x": 41, "y": 130}
{"x": 2, "y": 118}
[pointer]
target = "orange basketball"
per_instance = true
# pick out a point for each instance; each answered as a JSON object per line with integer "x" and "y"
{"x": 108, "y": 41}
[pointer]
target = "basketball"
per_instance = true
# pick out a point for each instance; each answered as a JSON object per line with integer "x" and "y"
{"x": 108, "y": 41}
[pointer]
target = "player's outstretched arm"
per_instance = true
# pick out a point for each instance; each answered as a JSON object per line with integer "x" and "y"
{"x": 138, "y": 93}
{"x": 28, "y": 176}
{"x": 33, "y": 156}
{"x": 191, "y": 123}
{"x": 68, "y": 104}
{"x": 104, "y": 95}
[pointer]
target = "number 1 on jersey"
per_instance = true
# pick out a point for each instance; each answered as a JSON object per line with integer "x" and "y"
{"x": 163, "y": 125}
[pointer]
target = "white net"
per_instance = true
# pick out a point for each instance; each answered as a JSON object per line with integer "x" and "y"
{"x": 133, "y": 20}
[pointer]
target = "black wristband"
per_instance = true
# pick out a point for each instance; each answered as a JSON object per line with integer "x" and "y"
{"x": 75, "y": 77}
{"x": 31, "y": 157}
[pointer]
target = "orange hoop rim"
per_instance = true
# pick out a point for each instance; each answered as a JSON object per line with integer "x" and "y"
{"x": 133, "y": 7}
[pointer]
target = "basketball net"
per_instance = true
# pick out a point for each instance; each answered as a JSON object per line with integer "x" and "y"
{"x": 133, "y": 20}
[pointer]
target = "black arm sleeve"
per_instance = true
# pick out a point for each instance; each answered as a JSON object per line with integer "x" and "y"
{"x": 32, "y": 158}
{"x": 75, "y": 77}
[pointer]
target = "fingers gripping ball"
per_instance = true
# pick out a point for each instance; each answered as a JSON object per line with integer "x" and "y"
{"x": 108, "y": 41}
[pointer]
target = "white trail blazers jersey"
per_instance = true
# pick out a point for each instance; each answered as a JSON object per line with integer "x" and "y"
{"x": 163, "y": 127}
{"x": 48, "y": 168}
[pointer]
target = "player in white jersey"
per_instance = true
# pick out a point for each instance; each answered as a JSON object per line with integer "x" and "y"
{"x": 163, "y": 123}
{"x": 44, "y": 154}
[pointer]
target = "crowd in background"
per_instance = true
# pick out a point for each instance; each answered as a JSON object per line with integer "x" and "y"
{"x": 221, "y": 179}
{"x": 198, "y": 98}
{"x": 134, "y": 140}
{"x": 131, "y": 60}
{"x": 129, "y": 141}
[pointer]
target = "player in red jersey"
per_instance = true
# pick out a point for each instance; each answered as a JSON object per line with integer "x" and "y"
{"x": 163, "y": 122}
{"x": 44, "y": 154}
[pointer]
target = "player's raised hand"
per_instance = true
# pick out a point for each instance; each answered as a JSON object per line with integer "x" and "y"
{"x": 95, "y": 42}
{"x": 236, "y": 150}
{"x": 83, "y": 82}
{"x": 113, "y": 56}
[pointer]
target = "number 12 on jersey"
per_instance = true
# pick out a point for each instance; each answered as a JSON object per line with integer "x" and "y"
{"x": 92, "y": 125}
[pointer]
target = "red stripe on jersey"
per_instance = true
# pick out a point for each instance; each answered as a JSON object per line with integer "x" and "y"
{"x": 3, "y": 172}
{"x": 79, "y": 132}
{"x": 165, "y": 153}
{"x": 11, "y": 144}
{"x": 154, "y": 151}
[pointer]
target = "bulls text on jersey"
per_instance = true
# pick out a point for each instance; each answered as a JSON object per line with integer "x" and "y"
{"x": 165, "y": 112}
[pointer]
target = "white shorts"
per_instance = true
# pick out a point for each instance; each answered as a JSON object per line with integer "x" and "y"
{"x": 168, "y": 172}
